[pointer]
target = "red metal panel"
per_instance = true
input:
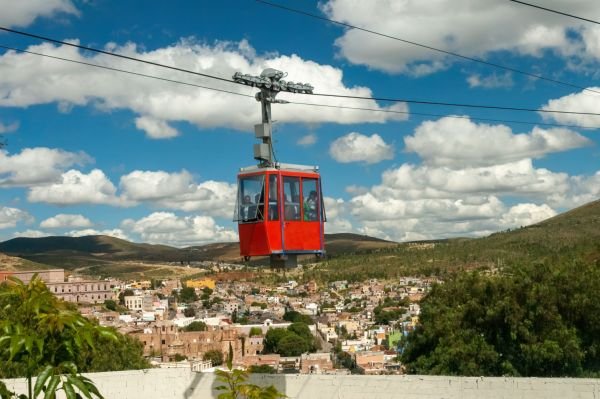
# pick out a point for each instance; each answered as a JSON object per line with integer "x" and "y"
{"x": 265, "y": 237}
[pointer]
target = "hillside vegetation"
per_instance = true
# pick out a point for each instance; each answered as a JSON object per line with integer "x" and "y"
{"x": 568, "y": 236}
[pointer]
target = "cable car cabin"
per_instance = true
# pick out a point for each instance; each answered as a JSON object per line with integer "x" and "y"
{"x": 280, "y": 213}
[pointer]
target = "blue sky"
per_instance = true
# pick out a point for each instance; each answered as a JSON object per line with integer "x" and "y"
{"x": 98, "y": 152}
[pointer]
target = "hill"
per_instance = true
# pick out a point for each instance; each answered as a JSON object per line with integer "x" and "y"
{"x": 104, "y": 254}
{"x": 566, "y": 237}
{"x": 13, "y": 263}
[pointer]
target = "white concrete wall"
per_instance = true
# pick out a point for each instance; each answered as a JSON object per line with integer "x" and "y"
{"x": 182, "y": 383}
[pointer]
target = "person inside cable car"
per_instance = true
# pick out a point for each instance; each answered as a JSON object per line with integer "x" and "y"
{"x": 310, "y": 207}
{"x": 246, "y": 208}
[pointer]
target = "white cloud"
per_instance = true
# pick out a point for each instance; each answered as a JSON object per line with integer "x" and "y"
{"x": 9, "y": 217}
{"x": 75, "y": 187}
{"x": 29, "y": 80}
{"x": 63, "y": 220}
{"x": 492, "y": 81}
{"x": 577, "y": 102}
{"x": 461, "y": 26}
{"x": 457, "y": 143}
{"x": 308, "y": 140}
{"x": 356, "y": 147}
{"x": 31, "y": 234}
{"x": 36, "y": 165}
{"x": 526, "y": 214}
{"x": 170, "y": 229}
{"x": 180, "y": 191}
{"x": 9, "y": 128}
{"x": 118, "y": 233}
{"x": 336, "y": 211}
{"x": 155, "y": 128}
{"x": 24, "y": 12}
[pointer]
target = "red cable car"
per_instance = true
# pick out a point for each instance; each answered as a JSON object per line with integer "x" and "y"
{"x": 279, "y": 207}
{"x": 280, "y": 213}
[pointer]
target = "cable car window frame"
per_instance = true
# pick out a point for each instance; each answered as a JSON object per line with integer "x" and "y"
{"x": 256, "y": 209}
{"x": 308, "y": 216}
{"x": 291, "y": 205}
{"x": 273, "y": 198}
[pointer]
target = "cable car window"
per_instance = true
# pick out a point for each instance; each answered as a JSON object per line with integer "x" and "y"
{"x": 273, "y": 202}
{"x": 250, "y": 199}
{"x": 311, "y": 200}
{"x": 291, "y": 191}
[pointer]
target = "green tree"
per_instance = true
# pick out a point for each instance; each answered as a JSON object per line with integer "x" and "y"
{"x": 123, "y": 294}
{"x": 262, "y": 369}
{"x": 42, "y": 336}
{"x": 294, "y": 316}
{"x": 255, "y": 331}
{"x": 235, "y": 385}
{"x": 215, "y": 356}
{"x": 189, "y": 312}
{"x": 292, "y": 345}
{"x": 110, "y": 304}
{"x": 272, "y": 338}
{"x": 188, "y": 295}
{"x": 196, "y": 326}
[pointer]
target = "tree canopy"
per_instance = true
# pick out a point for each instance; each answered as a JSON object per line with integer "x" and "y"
{"x": 293, "y": 341}
{"x": 539, "y": 320}
{"x": 46, "y": 337}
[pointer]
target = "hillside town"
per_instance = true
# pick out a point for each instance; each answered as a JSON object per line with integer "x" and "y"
{"x": 292, "y": 327}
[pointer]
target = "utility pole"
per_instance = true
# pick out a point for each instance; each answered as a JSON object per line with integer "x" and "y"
{"x": 270, "y": 83}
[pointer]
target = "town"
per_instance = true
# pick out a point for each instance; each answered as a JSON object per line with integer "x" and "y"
{"x": 334, "y": 328}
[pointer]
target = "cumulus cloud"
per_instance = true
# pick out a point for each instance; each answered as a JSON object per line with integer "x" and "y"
{"x": 24, "y": 12}
{"x": 155, "y": 128}
{"x": 460, "y": 26}
{"x": 492, "y": 81}
{"x": 117, "y": 233}
{"x": 168, "y": 228}
{"x": 179, "y": 191}
{"x": 336, "y": 210}
{"x": 75, "y": 187}
{"x": 31, "y": 234}
{"x": 63, "y": 220}
{"x": 583, "y": 102}
{"x": 29, "y": 80}
{"x": 8, "y": 128}
{"x": 356, "y": 147}
{"x": 9, "y": 217}
{"x": 37, "y": 165}
{"x": 458, "y": 143}
{"x": 308, "y": 140}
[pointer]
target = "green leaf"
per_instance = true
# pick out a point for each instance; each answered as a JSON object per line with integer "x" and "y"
{"x": 77, "y": 381}
{"x": 41, "y": 380}
{"x": 52, "y": 386}
{"x": 69, "y": 391}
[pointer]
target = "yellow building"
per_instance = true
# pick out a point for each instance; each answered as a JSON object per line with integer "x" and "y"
{"x": 201, "y": 283}
{"x": 140, "y": 285}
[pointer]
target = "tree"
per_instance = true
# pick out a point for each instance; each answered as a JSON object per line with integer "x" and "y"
{"x": 294, "y": 316}
{"x": 123, "y": 294}
{"x": 215, "y": 356}
{"x": 272, "y": 338}
{"x": 189, "y": 312}
{"x": 110, "y": 304}
{"x": 196, "y": 326}
{"x": 255, "y": 331}
{"x": 235, "y": 385}
{"x": 262, "y": 369}
{"x": 44, "y": 337}
{"x": 292, "y": 345}
{"x": 188, "y": 295}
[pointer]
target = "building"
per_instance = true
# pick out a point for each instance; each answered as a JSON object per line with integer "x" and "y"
{"x": 315, "y": 363}
{"x": 164, "y": 340}
{"x": 370, "y": 362}
{"x": 201, "y": 283}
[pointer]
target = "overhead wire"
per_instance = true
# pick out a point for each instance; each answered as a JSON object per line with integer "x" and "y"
{"x": 126, "y": 57}
{"x": 123, "y": 71}
{"x": 429, "y": 47}
{"x": 555, "y": 11}
{"x": 380, "y": 110}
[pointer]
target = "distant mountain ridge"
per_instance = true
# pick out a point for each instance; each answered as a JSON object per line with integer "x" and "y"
{"x": 72, "y": 252}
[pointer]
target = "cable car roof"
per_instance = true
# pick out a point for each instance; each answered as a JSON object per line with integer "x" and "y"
{"x": 281, "y": 166}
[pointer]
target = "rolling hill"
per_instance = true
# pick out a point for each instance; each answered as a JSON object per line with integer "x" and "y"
{"x": 572, "y": 235}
